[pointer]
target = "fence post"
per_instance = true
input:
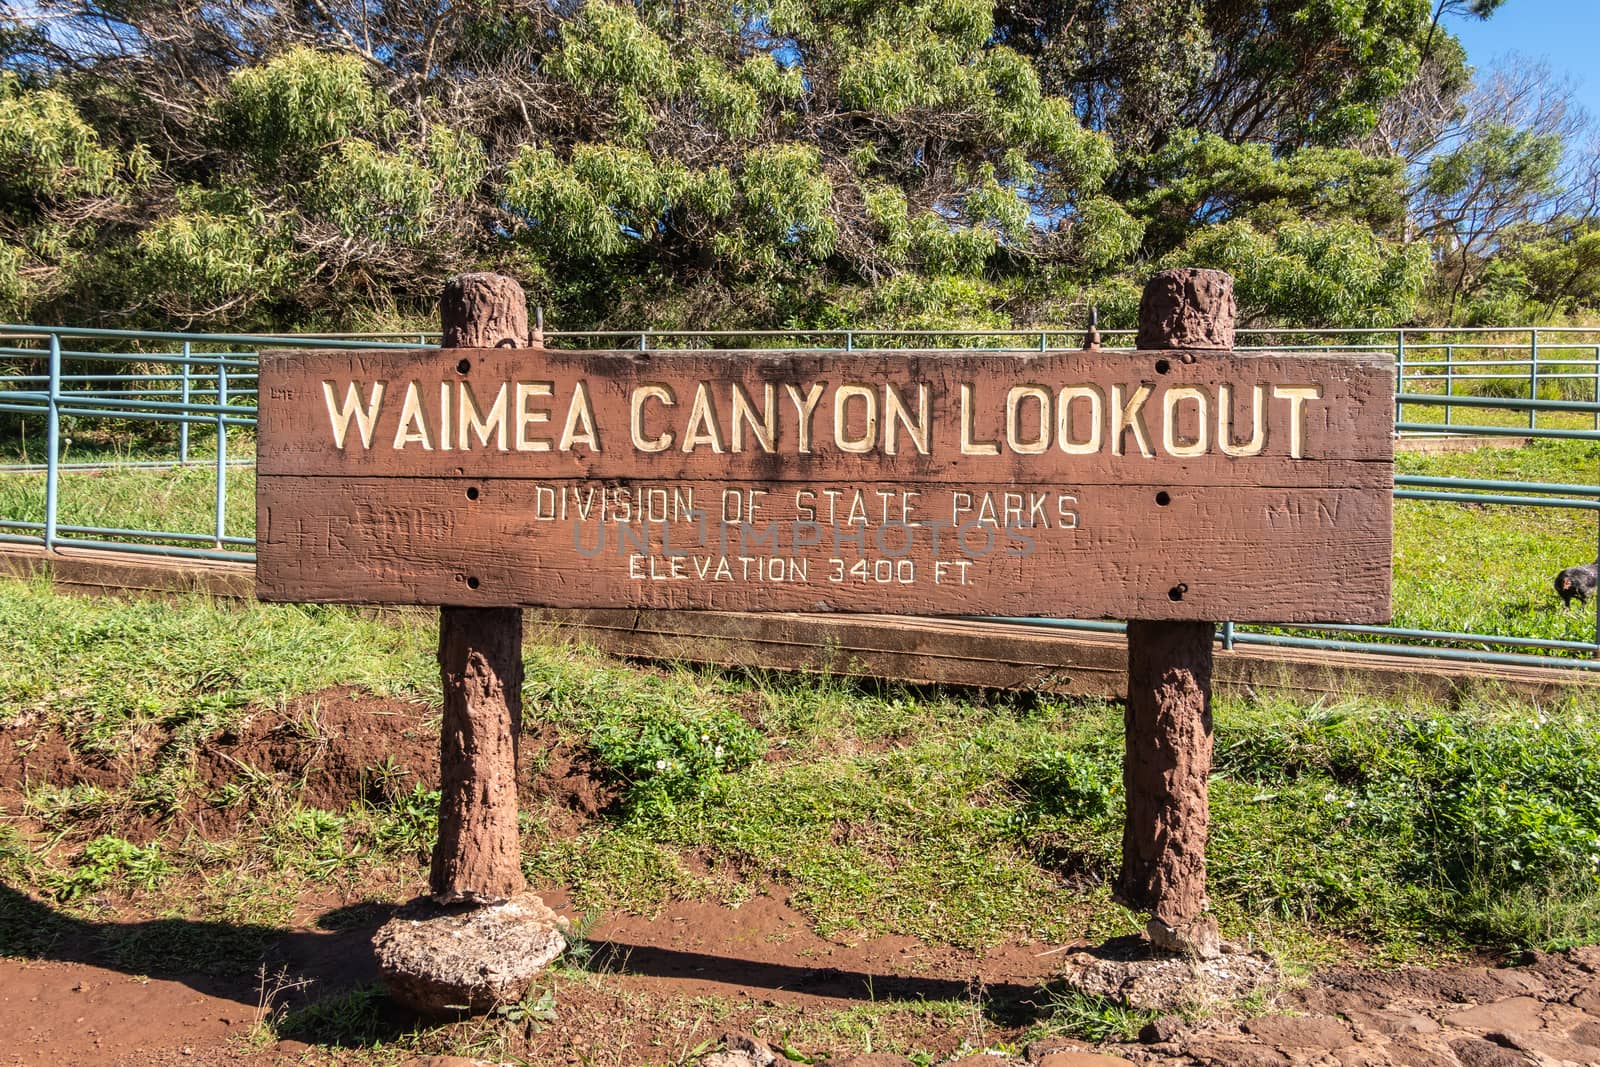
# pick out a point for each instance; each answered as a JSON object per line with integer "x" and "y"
{"x": 1597, "y": 385}
{"x": 1449, "y": 379}
{"x": 850, "y": 346}
{"x": 52, "y": 459}
{"x": 222, "y": 449}
{"x": 1533, "y": 375}
{"x": 183, "y": 427}
{"x": 1227, "y": 635}
{"x": 1399, "y": 370}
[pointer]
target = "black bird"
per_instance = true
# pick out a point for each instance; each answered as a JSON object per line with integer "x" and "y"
{"x": 1577, "y": 582}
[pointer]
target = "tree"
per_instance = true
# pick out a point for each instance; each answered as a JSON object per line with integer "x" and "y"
{"x": 282, "y": 163}
{"x": 1504, "y": 163}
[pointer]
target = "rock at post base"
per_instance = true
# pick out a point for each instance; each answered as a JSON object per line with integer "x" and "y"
{"x": 1134, "y": 973}
{"x": 444, "y": 961}
{"x": 1198, "y": 937}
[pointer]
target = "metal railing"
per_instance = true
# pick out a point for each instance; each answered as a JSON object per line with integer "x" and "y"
{"x": 1546, "y": 380}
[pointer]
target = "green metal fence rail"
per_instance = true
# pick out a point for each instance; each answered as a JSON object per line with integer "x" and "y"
{"x": 1524, "y": 382}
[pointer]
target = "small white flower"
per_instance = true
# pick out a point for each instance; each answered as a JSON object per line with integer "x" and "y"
{"x": 1350, "y": 803}
{"x": 661, "y": 764}
{"x": 1330, "y": 796}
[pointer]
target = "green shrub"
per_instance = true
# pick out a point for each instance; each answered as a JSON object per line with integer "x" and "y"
{"x": 107, "y": 861}
{"x": 1068, "y": 783}
{"x": 669, "y": 755}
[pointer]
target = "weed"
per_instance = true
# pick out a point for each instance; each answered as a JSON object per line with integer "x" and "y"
{"x": 534, "y": 1007}
{"x": 107, "y": 861}
{"x": 270, "y": 1008}
{"x": 1092, "y": 1018}
{"x": 311, "y": 841}
{"x": 669, "y": 754}
{"x": 384, "y": 781}
{"x": 1075, "y": 784}
{"x": 409, "y": 824}
{"x": 580, "y": 954}
{"x": 350, "y": 1018}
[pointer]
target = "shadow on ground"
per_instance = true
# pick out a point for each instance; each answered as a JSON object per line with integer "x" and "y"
{"x": 325, "y": 980}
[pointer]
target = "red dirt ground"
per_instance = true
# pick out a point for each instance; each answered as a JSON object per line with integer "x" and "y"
{"x": 660, "y": 987}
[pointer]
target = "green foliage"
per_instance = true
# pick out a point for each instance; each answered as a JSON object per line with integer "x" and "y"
{"x": 607, "y": 52}
{"x": 105, "y": 669}
{"x": 108, "y": 861}
{"x": 1205, "y": 179}
{"x": 1092, "y": 1018}
{"x": 13, "y": 284}
{"x": 603, "y": 202}
{"x": 1453, "y": 809}
{"x": 764, "y": 74}
{"x": 291, "y": 110}
{"x": 711, "y": 165}
{"x": 731, "y": 102}
{"x": 783, "y": 207}
{"x": 409, "y": 824}
{"x": 1069, "y": 783}
{"x": 1509, "y": 806}
{"x": 47, "y": 151}
{"x": 367, "y": 192}
{"x": 966, "y": 818}
{"x": 1513, "y": 160}
{"x": 1338, "y": 274}
{"x": 214, "y": 250}
{"x": 1542, "y": 273}
{"x": 672, "y": 754}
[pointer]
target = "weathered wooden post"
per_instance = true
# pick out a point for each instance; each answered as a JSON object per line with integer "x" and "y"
{"x": 478, "y": 858}
{"x": 434, "y": 957}
{"x": 1167, "y": 722}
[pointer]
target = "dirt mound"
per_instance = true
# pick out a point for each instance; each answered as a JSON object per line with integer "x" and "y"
{"x": 29, "y": 759}
{"x": 331, "y": 748}
{"x": 326, "y": 750}
{"x": 565, "y": 776}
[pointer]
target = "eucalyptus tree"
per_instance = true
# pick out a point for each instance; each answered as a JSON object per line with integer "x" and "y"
{"x": 805, "y": 162}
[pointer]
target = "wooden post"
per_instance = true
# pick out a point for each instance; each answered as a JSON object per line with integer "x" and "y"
{"x": 478, "y": 859}
{"x": 1167, "y": 722}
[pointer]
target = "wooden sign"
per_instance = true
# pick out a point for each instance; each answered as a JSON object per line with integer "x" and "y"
{"x": 1252, "y": 487}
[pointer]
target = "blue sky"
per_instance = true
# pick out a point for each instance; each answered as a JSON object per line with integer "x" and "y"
{"x": 1565, "y": 33}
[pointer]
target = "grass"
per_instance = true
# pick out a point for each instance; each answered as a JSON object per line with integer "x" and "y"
{"x": 1488, "y": 568}
{"x": 960, "y": 817}
{"x": 1348, "y": 828}
{"x": 179, "y": 499}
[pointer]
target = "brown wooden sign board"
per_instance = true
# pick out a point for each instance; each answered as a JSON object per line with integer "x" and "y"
{"x": 1244, "y": 486}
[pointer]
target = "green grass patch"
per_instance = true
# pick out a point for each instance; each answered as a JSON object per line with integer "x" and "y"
{"x": 102, "y": 668}
{"x": 178, "y": 499}
{"x": 955, "y": 816}
{"x": 1489, "y": 568}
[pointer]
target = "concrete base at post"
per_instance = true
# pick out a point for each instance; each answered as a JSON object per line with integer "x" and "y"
{"x": 1132, "y": 972}
{"x": 441, "y": 961}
